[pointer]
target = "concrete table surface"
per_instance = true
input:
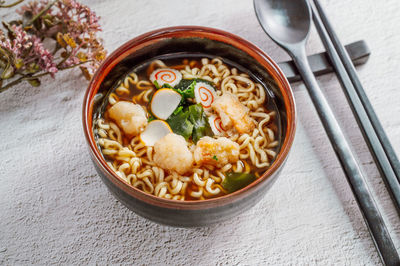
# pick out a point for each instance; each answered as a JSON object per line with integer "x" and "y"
{"x": 55, "y": 210}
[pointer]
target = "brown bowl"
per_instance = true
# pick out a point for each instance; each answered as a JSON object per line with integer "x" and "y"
{"x": 199, "y": 40}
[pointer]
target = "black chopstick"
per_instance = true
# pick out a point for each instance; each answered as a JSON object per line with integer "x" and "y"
{"x": 375, "y": 222}
{"x": 378, "y": 143}
{"x": 394, "y": 161}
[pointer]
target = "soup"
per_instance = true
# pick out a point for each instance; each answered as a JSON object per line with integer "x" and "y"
{"x": 188, "y": 128}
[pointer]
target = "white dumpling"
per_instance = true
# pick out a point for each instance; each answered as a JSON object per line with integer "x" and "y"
{"x": 172, "y": 153}
{"x": 217, "y": 152}
{"x": 130, "y": 117}
{"x": 233, "y": 113}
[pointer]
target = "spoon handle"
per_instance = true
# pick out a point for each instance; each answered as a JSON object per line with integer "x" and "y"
{"x": 349, "y": 164}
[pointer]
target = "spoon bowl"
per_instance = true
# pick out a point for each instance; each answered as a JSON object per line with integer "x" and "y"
{"x": 287, "y": 22}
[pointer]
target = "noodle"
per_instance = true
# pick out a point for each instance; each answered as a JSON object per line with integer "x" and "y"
{"x": 133, "y": 161}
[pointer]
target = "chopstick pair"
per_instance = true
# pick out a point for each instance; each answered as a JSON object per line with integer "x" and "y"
{"x": 378, "y": 143}
{"x": 374, "y": 135}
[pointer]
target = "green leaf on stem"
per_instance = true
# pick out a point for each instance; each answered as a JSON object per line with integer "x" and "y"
{"x": 27, "y": 17}
{"x": 34, "y": 82}
{"x": 10, "y": 32}
{"x": 19, "y": 63}
{"x": 8, "y": 71}
{"x": 32, "y": 68}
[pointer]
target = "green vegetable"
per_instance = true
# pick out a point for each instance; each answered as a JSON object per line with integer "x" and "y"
{"x": 190, "y": 121}
{"x": 180, "y": 124}
{"x": 184, "y": 84}
{"x": 185, "y": 88}
{"x": 157, "y": 85}
{"x": 166, "y": 85}
{"x": 178, "y": 110}
{"x": 200, "y": 122}
{"x": 151, "y": 118}
{"x": 215, "y": 157}
{"x": 235, "y": 181}
{"x": 189, "y": 91}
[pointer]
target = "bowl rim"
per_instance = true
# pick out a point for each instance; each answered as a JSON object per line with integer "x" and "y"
{"x": 183, "y": 32}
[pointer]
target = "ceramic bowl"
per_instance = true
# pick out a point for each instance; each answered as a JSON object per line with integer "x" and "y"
{"x": 202, "y": 40}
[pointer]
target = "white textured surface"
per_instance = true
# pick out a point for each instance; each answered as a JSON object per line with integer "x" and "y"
{"x": 55, "y": 210}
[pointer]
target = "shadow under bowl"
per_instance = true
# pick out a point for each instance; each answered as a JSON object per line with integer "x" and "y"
{"x": 175, "y": 42}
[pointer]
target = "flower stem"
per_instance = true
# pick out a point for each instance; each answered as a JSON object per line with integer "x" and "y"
{"x": 28, "y": 77}
{"x": 44, "y": 10}
{"x": 10, "y": 84}
{"x": 9, "y": 5}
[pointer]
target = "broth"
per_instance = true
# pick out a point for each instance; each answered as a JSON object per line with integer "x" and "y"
{"x": 137, "y": 89}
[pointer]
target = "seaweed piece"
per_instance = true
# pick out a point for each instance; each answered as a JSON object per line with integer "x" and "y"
{"x": 235, "y": 181}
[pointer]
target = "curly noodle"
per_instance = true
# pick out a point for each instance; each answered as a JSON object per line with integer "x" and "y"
{"x": 133, "y": 162}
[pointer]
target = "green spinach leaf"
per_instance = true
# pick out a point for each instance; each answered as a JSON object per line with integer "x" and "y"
{"x": 184, "y": 84}
{"x": 199, "y": 120}
{"x": 190, "y": 122}
{"x": 185, "y": 88}
{"x": 180, "y": 124}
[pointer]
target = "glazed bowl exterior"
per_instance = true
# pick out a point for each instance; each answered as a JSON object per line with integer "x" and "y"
{"x": 193, "y": 40}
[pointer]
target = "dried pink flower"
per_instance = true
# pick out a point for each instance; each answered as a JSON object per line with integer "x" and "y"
{"x": 29, "y": 49}
{"x": 72, "y": 28}
{"x": 44, "y": 57}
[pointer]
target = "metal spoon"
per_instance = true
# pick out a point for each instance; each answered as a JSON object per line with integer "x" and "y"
{"x": 288, "y": 23}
